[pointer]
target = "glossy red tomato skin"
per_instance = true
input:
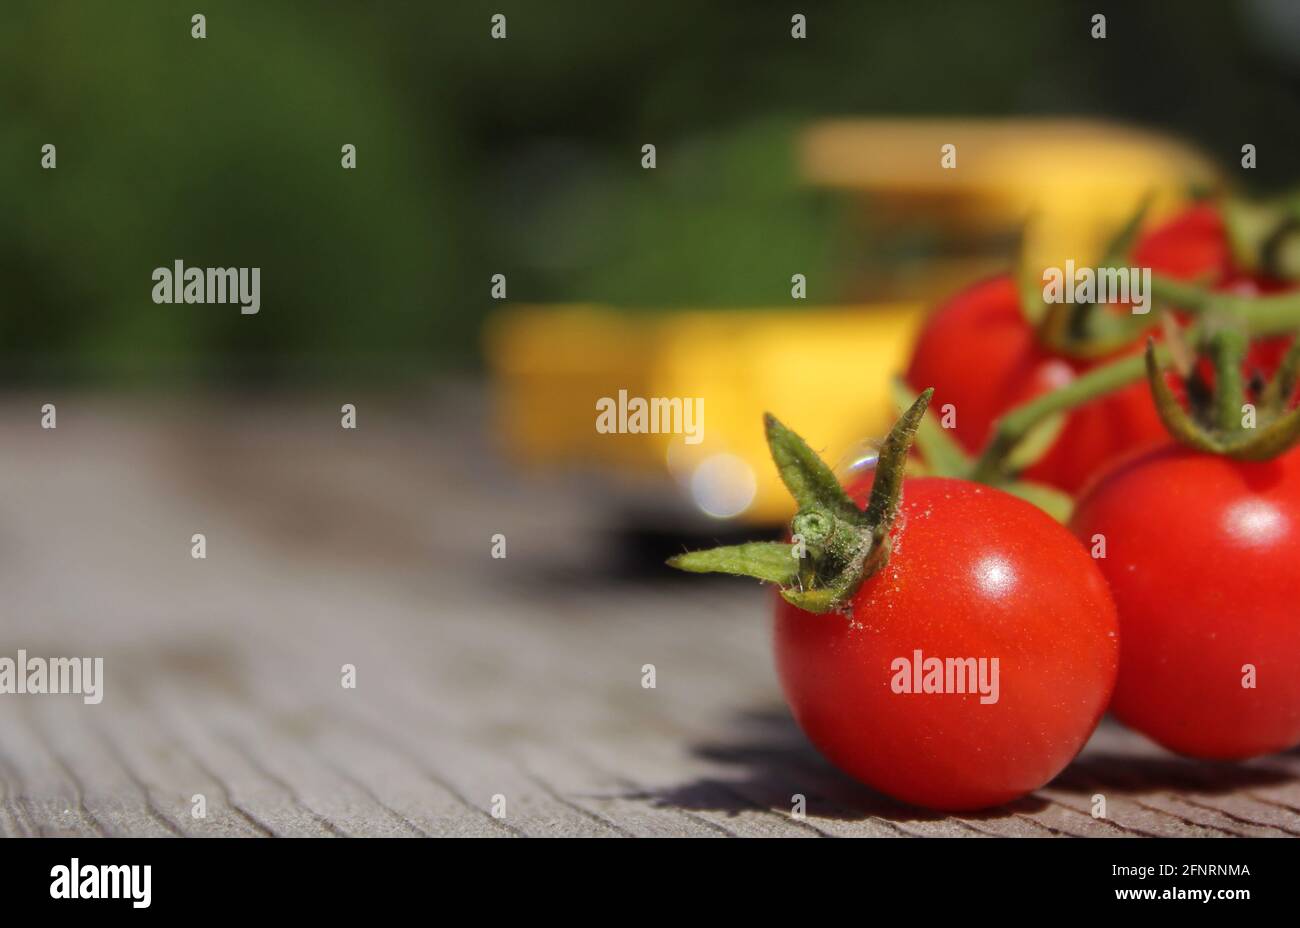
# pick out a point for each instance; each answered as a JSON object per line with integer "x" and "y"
{"x": 981, "y": 356}
{"x": 1192, "y": 245}
{"x": 976, "y": 573}
{"x": 1202, "y": 555}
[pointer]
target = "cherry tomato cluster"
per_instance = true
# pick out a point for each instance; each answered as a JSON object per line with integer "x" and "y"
{"x": 954, "y": 646}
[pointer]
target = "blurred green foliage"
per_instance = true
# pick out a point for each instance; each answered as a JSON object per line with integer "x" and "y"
{"x": 522, "y": 157}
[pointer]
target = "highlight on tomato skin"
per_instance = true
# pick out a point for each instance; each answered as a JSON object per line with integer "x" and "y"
{"x": 1201, "y": 554}
{"x": 974, "y": 573}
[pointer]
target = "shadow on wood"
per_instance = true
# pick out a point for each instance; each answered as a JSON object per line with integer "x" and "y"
{"x": 774, "y": 761}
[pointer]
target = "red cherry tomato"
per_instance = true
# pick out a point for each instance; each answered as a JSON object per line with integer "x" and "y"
{"x": 974, "y": 573}
{"x": 1201, "y": 554}
{"x": 981, "y": 356}
{"x": 1192, "y": 245}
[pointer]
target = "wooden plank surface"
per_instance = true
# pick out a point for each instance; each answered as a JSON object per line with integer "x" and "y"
{"x": 476, "y": 677}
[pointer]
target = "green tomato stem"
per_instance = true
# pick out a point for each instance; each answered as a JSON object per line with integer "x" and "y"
{"x": 1227, "y": 350}
{"x": 1184, "y": 295}
{"x": 1014, "y": 425}
{"x": 1273, "y": 314}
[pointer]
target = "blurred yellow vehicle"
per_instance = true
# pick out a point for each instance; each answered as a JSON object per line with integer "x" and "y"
{"x": 1040, "y": 189}
{"x": 552, "y": 364}
{"x": 825, "y": 370}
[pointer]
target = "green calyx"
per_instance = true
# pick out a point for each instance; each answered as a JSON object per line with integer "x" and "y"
{"x": 1015, "y": 434}
{"x": 1249, "y": 422}
{"x": 835, "y": 546}
{"x": 1265, "y": 240}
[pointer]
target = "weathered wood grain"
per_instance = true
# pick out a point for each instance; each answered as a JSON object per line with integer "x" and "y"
{"x": 477, "y": 677}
